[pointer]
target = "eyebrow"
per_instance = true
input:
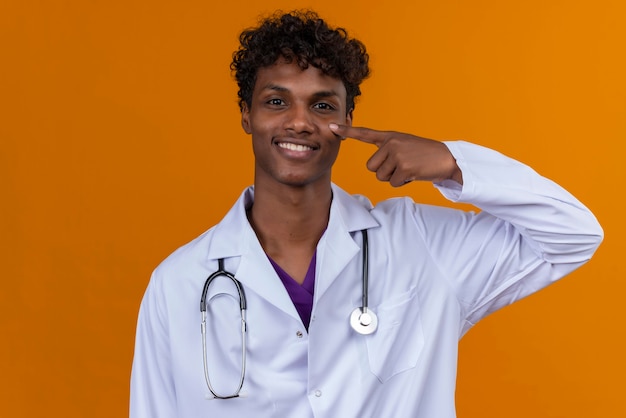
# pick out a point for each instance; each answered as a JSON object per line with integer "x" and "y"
{"x": 326, "y": 93}
{"x": 318, "y": 94}
{"x": 275, "y": 87}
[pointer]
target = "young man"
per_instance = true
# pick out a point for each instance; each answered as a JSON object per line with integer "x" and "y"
{"x": 303, "y": 255}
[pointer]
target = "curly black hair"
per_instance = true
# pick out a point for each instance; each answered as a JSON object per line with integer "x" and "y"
{"x": 301, "y": 37}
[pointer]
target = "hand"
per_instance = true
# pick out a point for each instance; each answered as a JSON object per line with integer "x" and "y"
{"x": 402, "y": 158}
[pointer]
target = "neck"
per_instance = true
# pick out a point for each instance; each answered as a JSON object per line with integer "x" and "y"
{"x": 290, "y": 218}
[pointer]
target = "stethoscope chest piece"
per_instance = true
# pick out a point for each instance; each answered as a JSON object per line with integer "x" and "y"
{"x": 363, "y": 321}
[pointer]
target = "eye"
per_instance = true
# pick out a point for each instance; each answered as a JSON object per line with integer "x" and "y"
{"x": 324, "y": 106}
{"x": 275, "y": 102}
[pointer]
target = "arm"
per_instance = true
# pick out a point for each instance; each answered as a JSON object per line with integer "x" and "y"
{"x": 152, "y": 391}
{"x": 558, "y": 226}
{"x": 530, "y": 232}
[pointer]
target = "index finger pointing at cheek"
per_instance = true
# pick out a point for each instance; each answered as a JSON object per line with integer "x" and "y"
{"x": 362, "y": 134}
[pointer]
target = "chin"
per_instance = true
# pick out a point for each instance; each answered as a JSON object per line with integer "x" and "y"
{"x": 295, "y": 180}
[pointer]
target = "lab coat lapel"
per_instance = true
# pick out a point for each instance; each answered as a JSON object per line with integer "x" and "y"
{"x": 257, "y": 273}
{"x": 335, "y": 250}
{"x": 340, "y": 244}
{"x": 235, "y": 241}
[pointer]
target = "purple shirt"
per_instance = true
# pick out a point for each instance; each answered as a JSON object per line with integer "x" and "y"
{"x": 301, "y": 295}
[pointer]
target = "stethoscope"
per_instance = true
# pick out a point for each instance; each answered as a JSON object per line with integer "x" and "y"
{"x": 363, "y": 320}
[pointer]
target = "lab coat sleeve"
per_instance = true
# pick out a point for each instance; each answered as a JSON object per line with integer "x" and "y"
{"x": 152, "y": 392}
{"x": 529, "y": 233}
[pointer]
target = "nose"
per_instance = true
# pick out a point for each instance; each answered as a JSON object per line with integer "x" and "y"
{"x": 299, "y": 119}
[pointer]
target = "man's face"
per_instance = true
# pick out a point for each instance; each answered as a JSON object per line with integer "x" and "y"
{"x": 288, "y": 120}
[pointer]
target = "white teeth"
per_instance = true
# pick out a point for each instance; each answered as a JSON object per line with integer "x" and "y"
{"x": 294, "y": 147}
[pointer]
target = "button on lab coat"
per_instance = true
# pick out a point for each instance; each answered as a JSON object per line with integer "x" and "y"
{"x": 434, "y": 272}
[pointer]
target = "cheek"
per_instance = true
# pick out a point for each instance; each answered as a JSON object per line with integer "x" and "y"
{"x": 262, "y": 126}
{"x": 335, "y": 145}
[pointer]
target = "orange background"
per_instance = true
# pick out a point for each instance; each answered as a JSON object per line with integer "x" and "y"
{"x": 120, "y": 140}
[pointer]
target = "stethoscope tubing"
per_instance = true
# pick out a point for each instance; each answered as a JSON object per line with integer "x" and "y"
{"x": 365, "y": 290}
{"x": 242, "y": 307}
{"x": 362, "y": 319}
{"x": 243, "y": 304}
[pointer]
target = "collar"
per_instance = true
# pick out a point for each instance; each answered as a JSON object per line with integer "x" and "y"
{"x": 234, "y": 236}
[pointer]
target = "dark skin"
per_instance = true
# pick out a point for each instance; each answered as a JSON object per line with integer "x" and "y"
{"x": 297, "y": 119}
{"x": 402, "y": 158}
{"x": 294, "y": 149}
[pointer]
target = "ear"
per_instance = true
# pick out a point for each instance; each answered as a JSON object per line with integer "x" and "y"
{"x": 245, "y": 119}
{"x": 349, "y": 117}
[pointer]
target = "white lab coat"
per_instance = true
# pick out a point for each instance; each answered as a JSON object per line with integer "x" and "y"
{"x": 434, "y": 272}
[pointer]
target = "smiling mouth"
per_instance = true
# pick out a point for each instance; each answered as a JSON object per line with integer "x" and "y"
{"x": 294, "y": 147}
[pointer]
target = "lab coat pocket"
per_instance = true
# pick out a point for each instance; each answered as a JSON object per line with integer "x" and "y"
{"x": 397, "y": 343}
